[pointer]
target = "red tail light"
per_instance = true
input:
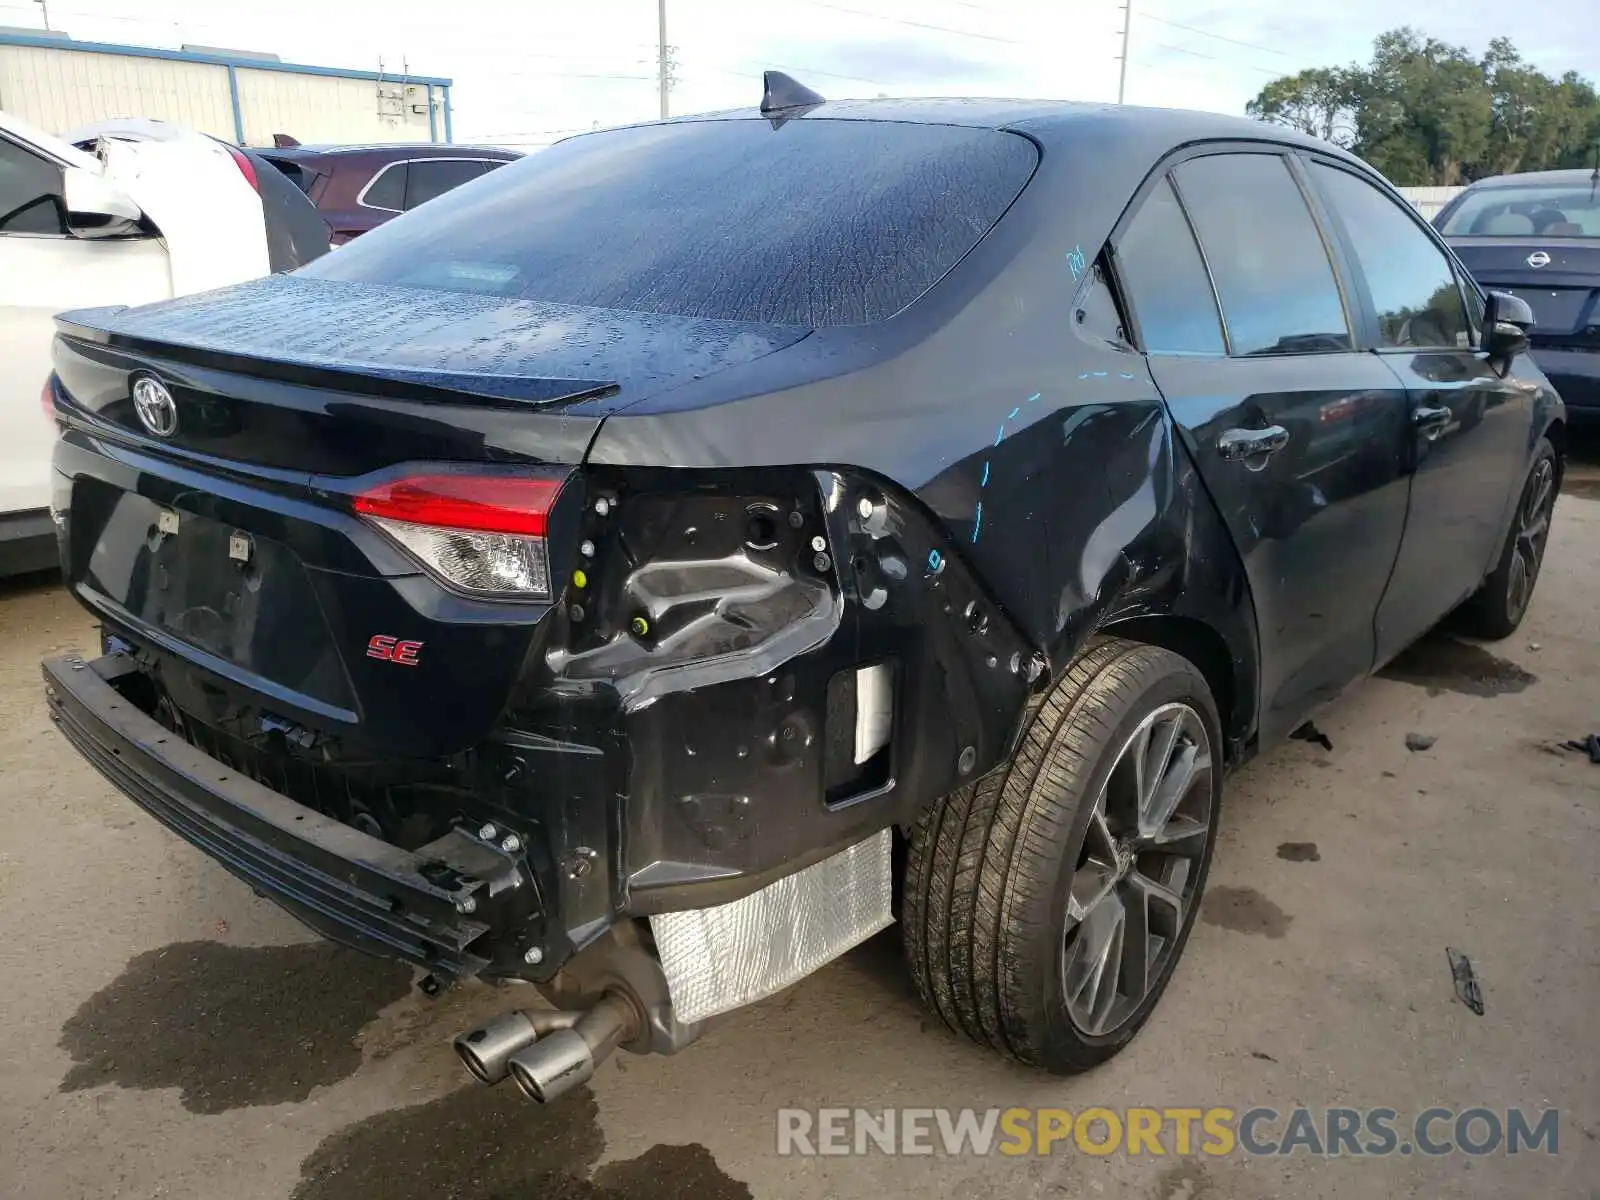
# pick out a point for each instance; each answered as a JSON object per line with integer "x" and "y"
{"x": 246, "y": 167}
{"x": 483, "y": 534}
{"x": 491, "y": 503}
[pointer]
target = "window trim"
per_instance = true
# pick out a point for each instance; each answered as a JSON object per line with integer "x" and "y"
{"x": 1333, "y": 245}
{"x": 361, "y": 196}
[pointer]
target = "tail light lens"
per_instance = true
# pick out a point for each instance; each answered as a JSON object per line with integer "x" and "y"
{"x": 481, "y": 534}
{"x": 246, "y": 167}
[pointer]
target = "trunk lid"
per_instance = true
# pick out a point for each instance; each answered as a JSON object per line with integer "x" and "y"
{"x": 325, "y": 376}
{"x": 230, "y": 549}
{"x": 1558, "y": 277}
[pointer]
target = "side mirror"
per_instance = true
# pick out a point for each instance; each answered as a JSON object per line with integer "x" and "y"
{"x": 1506, "y": 321}
{"x": 95, "y": 207}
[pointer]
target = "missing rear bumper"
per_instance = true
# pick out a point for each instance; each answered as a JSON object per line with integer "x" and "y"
{"x": 345, "y": 884}
{"x": 722, "y": 958}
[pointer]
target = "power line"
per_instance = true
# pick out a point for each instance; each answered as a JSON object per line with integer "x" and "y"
{"x": 1211, "y": 57}
{"x": 752, "y": 68}
{"x": 860, "y": 12}
{"x": 1219, "y": 37}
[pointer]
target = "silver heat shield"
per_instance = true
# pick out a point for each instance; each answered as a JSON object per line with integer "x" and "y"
{"x": 718, "y": 959}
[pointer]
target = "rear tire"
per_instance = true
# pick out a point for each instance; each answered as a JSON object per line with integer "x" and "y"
{"x": 1017, "y": 884}
{"x": 1496, "y": 609}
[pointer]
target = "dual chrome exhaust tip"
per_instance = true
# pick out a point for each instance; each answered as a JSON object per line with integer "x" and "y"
{"x": 547, "y": 1053}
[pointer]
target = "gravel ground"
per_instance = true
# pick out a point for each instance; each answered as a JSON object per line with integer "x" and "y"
{"x": 172, "y": 1035}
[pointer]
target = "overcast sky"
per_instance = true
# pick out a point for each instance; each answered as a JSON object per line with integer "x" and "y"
{"x": 527, "y": 71}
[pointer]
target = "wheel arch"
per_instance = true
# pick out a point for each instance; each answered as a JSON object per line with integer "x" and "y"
{"x": 1206, "y": 647}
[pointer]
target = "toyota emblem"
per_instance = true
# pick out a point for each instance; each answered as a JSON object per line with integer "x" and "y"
{"x": 1538, "y": 259}
{"x": 158, "y": 411}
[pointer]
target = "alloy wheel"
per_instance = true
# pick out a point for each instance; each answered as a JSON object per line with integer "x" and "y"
{"x": 1533, "y": 529}
{"x": 1138, "y": 870}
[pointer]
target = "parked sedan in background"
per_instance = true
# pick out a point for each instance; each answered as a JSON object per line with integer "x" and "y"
{"x": 1537, "y": 236}
{"x": 123, "y": 212}
{"x": 357, "y": 188}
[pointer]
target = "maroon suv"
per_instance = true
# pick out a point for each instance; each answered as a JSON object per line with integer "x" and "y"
{"x": 357, "y": 188}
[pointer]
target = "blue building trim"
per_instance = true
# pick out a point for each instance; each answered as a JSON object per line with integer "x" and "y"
{"x": 223, "y": 60}
{"x": 233, "y": 99}
{"x": 433, "y": 130}
{"x": 449, "y": 135}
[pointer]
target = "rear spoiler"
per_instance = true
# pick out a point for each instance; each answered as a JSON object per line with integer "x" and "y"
{"x": 406, "y": 383}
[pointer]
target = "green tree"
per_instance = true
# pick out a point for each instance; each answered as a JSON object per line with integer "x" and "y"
{"x": 1321, "y": 102}
{"x": 1426, "y": 112}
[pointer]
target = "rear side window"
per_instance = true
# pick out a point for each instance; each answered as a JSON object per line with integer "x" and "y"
{"x": 1273, "y": 277}
{"x": 1166, "y": 281}
{"x": 30, "y": 192}
{"x": 1412, "y": 283}
{"x": 387, "y": 189}
{"x": 427, "y": 179}
{"x": 814, "y": 223}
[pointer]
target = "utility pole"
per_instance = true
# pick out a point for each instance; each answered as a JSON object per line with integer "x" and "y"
{"x": 661, "y": 50}
{"x": 1122, "y": 70}
{"x": 44, "y": 8}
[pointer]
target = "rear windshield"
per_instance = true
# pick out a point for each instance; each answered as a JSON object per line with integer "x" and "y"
{"x": 1531, "y": 210}
{"x": 814, "y": 223}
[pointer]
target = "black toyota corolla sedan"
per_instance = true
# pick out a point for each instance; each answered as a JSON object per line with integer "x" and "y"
{"x": 1537, "y": 236}
{"x": 654, "y": 567}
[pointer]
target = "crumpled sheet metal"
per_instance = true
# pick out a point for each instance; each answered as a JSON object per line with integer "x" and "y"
{"x": 722, "y": 958}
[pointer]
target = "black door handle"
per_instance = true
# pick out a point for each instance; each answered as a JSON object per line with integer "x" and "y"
{"x": 1430, "y": 421}
{"x": 1252, "y": 443}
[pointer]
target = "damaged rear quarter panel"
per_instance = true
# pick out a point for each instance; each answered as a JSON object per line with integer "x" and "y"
{"x": 1033, "y": 464}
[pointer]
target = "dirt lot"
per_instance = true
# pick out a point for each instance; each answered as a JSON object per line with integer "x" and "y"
{"x": 171, "y": 1035}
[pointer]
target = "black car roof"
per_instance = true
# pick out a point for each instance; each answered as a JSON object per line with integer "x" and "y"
{"x": 1049, "y": 120}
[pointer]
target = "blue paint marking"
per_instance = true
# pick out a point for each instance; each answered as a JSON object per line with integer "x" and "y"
{"x": 999, "y": 436}
{"x": 1076, "y": 263}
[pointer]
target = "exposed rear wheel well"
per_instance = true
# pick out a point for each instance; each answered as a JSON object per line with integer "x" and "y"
{"x": 1200, "y": 644}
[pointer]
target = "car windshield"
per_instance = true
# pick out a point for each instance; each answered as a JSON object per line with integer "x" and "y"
{"x": 1528, "y": 210}
{"x": 812, "y": 223}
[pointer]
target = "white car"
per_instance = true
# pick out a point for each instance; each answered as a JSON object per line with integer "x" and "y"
{"x": 136, "y": 212}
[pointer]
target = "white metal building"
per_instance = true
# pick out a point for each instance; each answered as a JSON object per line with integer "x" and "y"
{"x": 58, "y": 83}
{"x": 1429, "y": 200}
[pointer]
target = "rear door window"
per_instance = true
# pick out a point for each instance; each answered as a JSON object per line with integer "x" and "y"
{"x": 1266, "y": 254}
{"x": 30, "y": 192}
{"x": 1413, "y": 284}
{"x": 387, "y": 189}
{"x": 814, "y": 223}
{"x": 1166, "y": 281}
{"x": 427, "y": 179}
